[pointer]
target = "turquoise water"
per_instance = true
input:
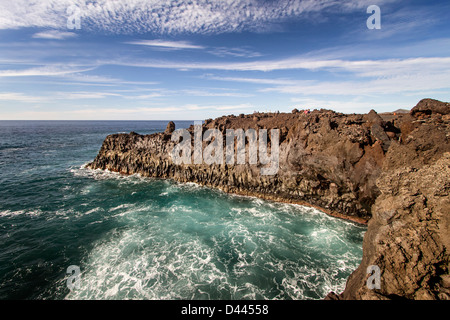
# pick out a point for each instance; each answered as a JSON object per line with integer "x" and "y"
{"x": 141, "y": 238}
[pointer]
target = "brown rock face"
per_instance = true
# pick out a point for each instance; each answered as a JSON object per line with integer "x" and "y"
{"x": 170, "y": 128}
{"x": 327, "y": 159}
{"x": 408, "y": 237}
{"x": 427, "y": 107}
{"x": 392, "y": 167}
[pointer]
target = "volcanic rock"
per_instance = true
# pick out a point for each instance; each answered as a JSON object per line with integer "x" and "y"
{"x": 390, "y": 169}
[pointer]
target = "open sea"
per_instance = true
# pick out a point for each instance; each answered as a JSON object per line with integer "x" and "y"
{"x": 143, "y": 238}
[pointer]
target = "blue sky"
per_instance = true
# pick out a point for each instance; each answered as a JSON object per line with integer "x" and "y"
{"x": 197, "y": 59}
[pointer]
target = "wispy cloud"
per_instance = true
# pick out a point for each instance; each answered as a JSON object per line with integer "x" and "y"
{"x": 261, "y": 65}
{"x": 84, "y": 79}
{"x": 23, "y": 14}
{"x": 165, "y": 44}
{"x": 241, "y": 107}
{"x": 54, "y": 35}
{"x": 209, "y": 93}
{"x": 380, "y": 67}
{"x": 190, "y": 111}
{"x": 408, "y": 20}
{"x": 167, "y": 17}
{"x": 234, "y": 52}
{"x": 401, "y": 84}
{"x": 86, "y": 95}
{"x": 43, "y": 71}
{"x": 145, "y": 96}
{"x": 273, "y": 81}
{"x": 20, "y": 97}
{"x": 70, "y": 76}
{"x": 105, "y": 94}
{"x": 363, "y": 77}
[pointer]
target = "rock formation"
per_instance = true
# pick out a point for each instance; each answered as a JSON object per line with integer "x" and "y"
{"x": 391, "y": 167}
{"x": 408, "y": 236}
{"x": 327, "y": 159}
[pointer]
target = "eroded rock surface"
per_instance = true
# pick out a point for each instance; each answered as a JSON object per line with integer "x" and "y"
{"x": 408, "y": 236}
{"x": 327, "y": 159}
{"x": 391, "y": 167}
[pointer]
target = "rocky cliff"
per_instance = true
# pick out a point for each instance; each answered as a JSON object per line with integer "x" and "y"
{"x": 408, "y": 237}
{"x": 350, "y": 165}
{"x": 327, "y": 159}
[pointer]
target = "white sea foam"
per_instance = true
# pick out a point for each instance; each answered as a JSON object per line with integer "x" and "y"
{"x": 126, "y": 267}
{"x": 9, "y": 213}
{"x": 93, "y": 210}
{"x": 99, "y": 174}
{"x": 122, "y": 206}
{"x": 191, "y": 249}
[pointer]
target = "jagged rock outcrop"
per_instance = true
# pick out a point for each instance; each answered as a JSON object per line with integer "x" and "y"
{"x": 428, "y": 107}
{"x": 408, "y": 236}
{"x": 391, "y": 167}
{"x": 327, "y": 159}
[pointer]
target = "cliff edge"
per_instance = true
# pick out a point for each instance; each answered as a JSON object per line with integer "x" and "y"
{"x": 408, "y": 236}
{"x": 326, "y": 159}
{"x": 391, "y": 169}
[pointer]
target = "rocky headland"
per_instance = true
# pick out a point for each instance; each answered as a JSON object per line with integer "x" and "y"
{"x": 390, "y": 170}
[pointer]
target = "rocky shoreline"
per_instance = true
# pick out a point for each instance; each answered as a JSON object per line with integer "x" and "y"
{"x": 352, "y": 166}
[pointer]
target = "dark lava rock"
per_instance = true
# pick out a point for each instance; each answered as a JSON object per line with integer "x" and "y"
{"x": 393, "y": 172}
{"x": 170, "y": 128}
{"x": 427, "y": 107}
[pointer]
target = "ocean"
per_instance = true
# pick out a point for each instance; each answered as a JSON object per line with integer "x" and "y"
{"x": 141, "y": 238}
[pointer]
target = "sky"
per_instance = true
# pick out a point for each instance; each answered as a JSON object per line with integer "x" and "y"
{"x": 199, "y": 59}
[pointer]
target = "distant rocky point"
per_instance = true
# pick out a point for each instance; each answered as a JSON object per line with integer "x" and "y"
{"x": 362, "y": 167}
{"x": 401, "y": 111}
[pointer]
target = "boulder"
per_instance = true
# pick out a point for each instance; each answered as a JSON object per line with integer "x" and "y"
{"x": 427, "y": 107}
{"x": 170, "y": 128}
